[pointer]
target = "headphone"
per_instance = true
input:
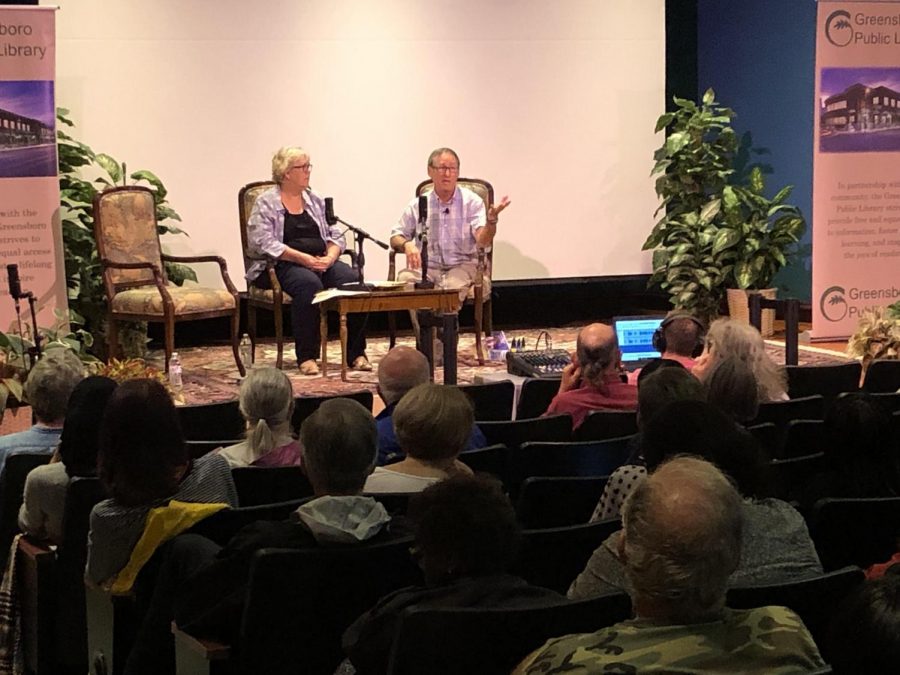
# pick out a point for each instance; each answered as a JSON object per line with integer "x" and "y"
{"x": 659, "y": 335}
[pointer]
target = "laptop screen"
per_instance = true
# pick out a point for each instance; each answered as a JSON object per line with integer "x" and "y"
{"x": 635, "y": 334}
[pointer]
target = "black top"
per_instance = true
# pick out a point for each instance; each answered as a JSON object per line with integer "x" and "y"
{"x": 301, "y": 232}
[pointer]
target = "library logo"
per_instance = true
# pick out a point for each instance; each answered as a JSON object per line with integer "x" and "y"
{"x": 832, "y": 304}
{"x": 838, "y": 29}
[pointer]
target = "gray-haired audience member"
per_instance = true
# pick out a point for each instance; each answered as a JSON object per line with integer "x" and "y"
{"x": 681, "y": 542}
{"x": 47, "y": 391}
{"x": 266, "y": 400}
{"x": 732, "y": 387}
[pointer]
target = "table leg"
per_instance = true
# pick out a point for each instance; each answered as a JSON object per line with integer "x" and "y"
{"x": 426, "y": 339}
{"x": 343, "y": 346}
{"x": 451, "y": 333}
{"x": 323, "y": 334}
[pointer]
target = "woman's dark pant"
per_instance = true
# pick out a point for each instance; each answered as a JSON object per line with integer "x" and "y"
{"x": 302, "y": 284}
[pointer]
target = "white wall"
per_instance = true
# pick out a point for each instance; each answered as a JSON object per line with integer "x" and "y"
{"x": 553, "y": 102}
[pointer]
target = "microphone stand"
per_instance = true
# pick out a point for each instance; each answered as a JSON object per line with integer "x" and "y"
{"x": 361, "y": 235}
{"x": 425, "y": 283}
{"x": 34, "y": 353}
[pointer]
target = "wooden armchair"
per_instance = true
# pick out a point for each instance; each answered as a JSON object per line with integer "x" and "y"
{"x": 134, "y": 275}
{"x": 480, "y": 293}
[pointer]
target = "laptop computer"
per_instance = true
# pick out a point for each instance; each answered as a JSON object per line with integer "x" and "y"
{"x": 635, "y": 334}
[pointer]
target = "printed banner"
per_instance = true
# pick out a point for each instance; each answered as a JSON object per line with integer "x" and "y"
{"x": 856, "y": 170}
{"x": 30, "y": 231}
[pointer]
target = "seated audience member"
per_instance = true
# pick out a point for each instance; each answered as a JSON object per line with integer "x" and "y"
{"x": 593, "y": 380}
{"x": 731, "y": 386}
{"x": 860, "y": 460}
{"x": 865, "y": 633}
{"x": 657, "y": 389}
{"x": 47, "y": 391}
{"x": 45, "y": 487}
{"x": 401, "y": 369}
{"x": 681, "y": 544}
{"x": 267, "y": 402}
{"x": 682, "y": 333}
{"x": 143, "y": 463}
{"x": 205, "y": 585}
{"x": 466, "y": 537}
{"x": 433, "y": 423}
{"x": 731, "y": 339}
{"x": 777, "y": 544}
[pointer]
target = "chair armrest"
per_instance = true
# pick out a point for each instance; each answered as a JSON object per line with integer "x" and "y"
{"x": 197, "y": 650}
{"x": 223, "y": 268}
{"x": 33, "y": 549}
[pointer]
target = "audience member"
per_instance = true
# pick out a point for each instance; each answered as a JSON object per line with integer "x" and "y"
{"x": 433, "y": 423}
{"x": 42, "y": 509}
{"x": 466, "y": 537}
{"x": 593, "y": 380}
{"x": 401, "y": 369}
{"x": 860, "y": 460}
{"x": 865, "y": 633}
{"x": 143, "y": 463}
{"x": 267, "y": 402}
{"x": 728, "y": 338}
{"x": 680, "y": 338}
{"x": 680, "y": 546}
{"x": 208, "y": 583}
{"x": 47, "y": 391}
{"x": 731, "y": 386}
{"x": 777, "y": 545}
{"x": 655, "y": 390}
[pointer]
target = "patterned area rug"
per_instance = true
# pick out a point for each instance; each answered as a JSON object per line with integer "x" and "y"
{"x": 210, "y": 374}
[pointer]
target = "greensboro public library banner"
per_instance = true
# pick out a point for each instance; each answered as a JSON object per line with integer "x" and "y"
{"x": 30, "y": 234}
{"x": 856, "y": 171}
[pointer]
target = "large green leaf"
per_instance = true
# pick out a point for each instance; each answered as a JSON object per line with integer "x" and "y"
{"x": 710, "y": 210}
{"x": 111, "y": 166}
{"x": 726, "y": 238}
{"x": 664, "y": 121}
{"x": 676, "y": 141}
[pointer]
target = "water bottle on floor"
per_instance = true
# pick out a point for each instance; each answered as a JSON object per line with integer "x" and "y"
{"x": 175, "y": 372}
{"x": 245, "y": 351}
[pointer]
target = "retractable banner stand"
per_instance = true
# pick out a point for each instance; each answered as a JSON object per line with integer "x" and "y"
{"x": 856, "y": 183}
{"x": 30, "y": 232}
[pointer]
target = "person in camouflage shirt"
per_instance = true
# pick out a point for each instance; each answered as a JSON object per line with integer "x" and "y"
{"x": 681, "y": 541}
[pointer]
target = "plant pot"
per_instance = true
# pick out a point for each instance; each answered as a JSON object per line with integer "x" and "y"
{"x": 739, "y": 308}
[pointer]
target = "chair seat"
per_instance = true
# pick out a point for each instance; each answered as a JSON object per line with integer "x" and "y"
{"x": 188, "y": 300}
{"x": 266, "y": 294}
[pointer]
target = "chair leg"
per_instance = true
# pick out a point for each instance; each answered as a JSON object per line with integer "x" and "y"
{"x": 112, "y": 337}
{"x": 235, "y": 340}
{"x": 170, "y": 339}
{"x": 251, "y": 328}
{"x": 392, "y": 329}
{"x": 479, "y": 310}
{"x": 488, "y": 312}
{"x": 279, "y": 335}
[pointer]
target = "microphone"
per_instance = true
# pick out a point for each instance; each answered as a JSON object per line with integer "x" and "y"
{"x": 330, "y": 218}
{"x": 15, "y": 286}
{"x": 447, "y": 211}
{"x": 423, "y": 208}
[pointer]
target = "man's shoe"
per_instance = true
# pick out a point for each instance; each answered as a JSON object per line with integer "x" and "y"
{"x": 309, "y": 367}
{"x": 361, "y": 363}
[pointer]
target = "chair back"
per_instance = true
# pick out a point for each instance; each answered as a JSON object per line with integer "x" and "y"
{"x": 814, "y": 599}
{"x": 126, "y": 232}
{"x": 826, "y": 380}
{"x": 211, "y": 421}
{"x": 12, "y": 488}
{"x": 553, "y": 557}
{"x": 803, "y": 437}
{"x": 199, "y": 448}
{"x": 535, "y": 396}
{"x": 882, "y": 376}
{"x": 247, "y": 197}
{"x": 602, "y": 424}
{"x": 571, "y": 458}
{"x": 790, "y": 475}
{"x": 855, "y": 531}
{"x": 768, "y": 436}
{"x": 889, "y": 401}
{"x": 304, "y": 406}
{"x": 491, "y": 400}
{"x": 491, "y": 459}
{"x": 515, "y": 432}
{"x": 221, "y": 526}
{"x": 449, "y": 641}
{"x": 258, "y": 485}
{"x": 300, "y": 602}
{"x": 780, "y": 413}
{"x": 558, "y": 502}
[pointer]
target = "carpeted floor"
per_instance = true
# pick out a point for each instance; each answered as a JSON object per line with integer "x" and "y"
{"x": 210, "y": 373}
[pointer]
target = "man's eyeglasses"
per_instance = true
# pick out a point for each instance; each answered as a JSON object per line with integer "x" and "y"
{"x": 446, "y": 169}
{"x": 303, "y": 167}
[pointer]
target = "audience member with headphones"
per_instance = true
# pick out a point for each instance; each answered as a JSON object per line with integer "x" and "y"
{"x": 678, "y": 338}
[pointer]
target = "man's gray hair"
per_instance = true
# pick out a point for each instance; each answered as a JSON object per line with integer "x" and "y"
{"x": 682, "y": 538}
{"x": 50, "y": 383}
{"x": 401, "y": 369}
{"x": 437, "y": 152}
{"x": 340, "y": 444}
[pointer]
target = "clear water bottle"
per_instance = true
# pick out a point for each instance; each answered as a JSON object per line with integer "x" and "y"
{"x": 246, "y": 351}
{"x": 175, "y": 372}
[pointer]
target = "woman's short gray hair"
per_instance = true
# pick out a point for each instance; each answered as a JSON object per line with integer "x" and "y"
{"x": 267, "y": 401}
{"x": 732, "y": 339}
{"x": 283, "y": 159}
{"x": 433, "y": 421}
{"x": 50, "y": 383}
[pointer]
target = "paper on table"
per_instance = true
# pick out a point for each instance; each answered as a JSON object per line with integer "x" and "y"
{"x": 329, "y": 293}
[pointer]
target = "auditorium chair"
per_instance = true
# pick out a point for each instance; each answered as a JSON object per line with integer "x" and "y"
{"x": 882, "y": 376}
{"x": 569, "y": 458}
{"x": 889, "y": 401}
{"x": 855, "y": 531}
{"x": 790, "y": 475}
{"x": 395, "y": 503}
{"x": 299, "y": 603}
{"x": 451, "y": 641}
{"x": 480, "y": 292}
{"x": 803, "y": 437}
{"x": 304, "y": 406}
{"x": 199, "y": 448}
{"x": 600, "y": 425}
{"x": 515, "y": 432}
{"x": 492, "y": 401}
{"x": 257, "y": 485}
{"x": 12, "y": 488}
{"x": 768, "y": 436}
{"x": 825, "y": 380}
{"x": 224, "y": 524}
{"x": 134, "y": 274}
{"x": 546, "y": 502}
{"x": 780, "y": 413}
{"x": 491, "y": 459}
{"x": 553, "y": 557}
{"x": 535, "y": 396}
{"x": 211, "y": 421}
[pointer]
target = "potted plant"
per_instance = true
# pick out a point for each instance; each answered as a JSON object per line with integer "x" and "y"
{"x": 877, "y": 335}
{"x": 718, "y": 229}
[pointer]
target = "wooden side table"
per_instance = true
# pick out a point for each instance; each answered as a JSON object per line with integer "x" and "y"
{"x": 443, "y": 301}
